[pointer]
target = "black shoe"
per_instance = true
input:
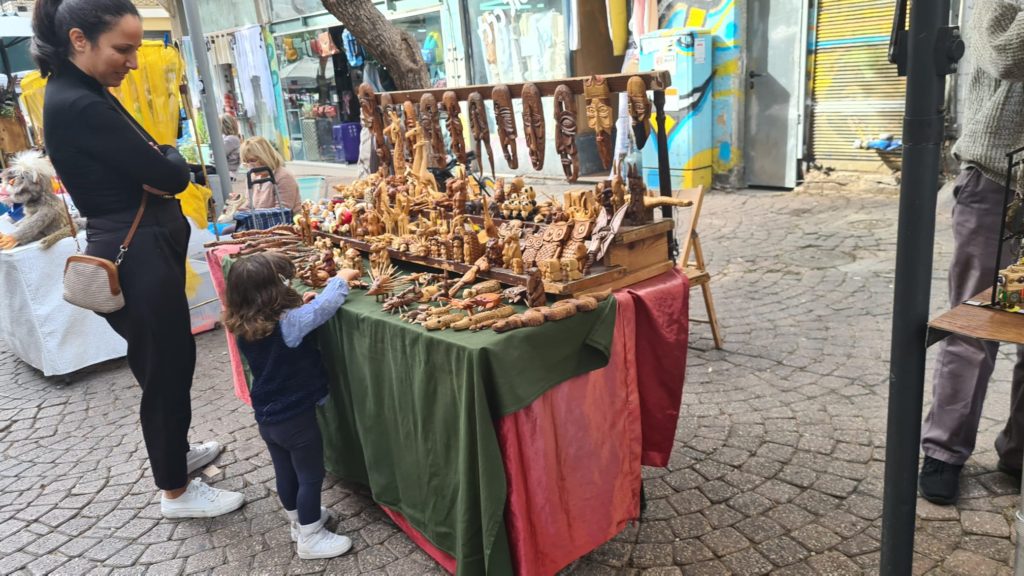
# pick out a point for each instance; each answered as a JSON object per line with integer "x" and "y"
{"x": 1010, "y": 471}
{"x": 939, "y": 482}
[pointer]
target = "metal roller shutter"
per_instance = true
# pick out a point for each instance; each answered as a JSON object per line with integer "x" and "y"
{"x": 857, "y": 94}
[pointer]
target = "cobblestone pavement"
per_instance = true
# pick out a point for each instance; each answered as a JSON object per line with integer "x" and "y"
{"x": 777, "y": 466}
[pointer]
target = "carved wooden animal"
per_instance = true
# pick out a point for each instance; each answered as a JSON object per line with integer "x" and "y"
{"x": 450, "y": 103}
{"x": 565, "y": 136}
{"x": 431, "y": 122}
{"x": 505, "y": 119}
{"x": 480, "y": 131}
{"x": 533, "y": 124}
{"x": 639, "y": 107}
{"x": 599, "y": 116}
{"x": 535, "y": 295}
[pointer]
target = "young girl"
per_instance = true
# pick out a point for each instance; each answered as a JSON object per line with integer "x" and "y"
{"x": 274, "y": 328}
{"x": 258, "y": 153}
{"x": 232, "y": 143}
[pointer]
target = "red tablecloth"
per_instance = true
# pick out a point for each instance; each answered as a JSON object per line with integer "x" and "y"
{"x": 572, "y": 457}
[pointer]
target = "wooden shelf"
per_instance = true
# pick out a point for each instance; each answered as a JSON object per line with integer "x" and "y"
{"x": 616, "y": 83}
{"x": 978, "y": 321}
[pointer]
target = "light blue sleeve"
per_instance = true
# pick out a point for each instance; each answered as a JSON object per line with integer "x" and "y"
{"x": 298, "y": 322}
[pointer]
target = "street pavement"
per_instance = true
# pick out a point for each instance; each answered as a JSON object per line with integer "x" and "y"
{"x": 777, "y": 466}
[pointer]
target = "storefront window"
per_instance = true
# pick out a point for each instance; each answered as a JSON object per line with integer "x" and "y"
{"x": 426, "y": 30}
{"x": 317, "y": 92}
{"x": 516, "y": 44}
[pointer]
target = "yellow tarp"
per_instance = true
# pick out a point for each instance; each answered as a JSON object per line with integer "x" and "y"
{"x": 151, "y": 95}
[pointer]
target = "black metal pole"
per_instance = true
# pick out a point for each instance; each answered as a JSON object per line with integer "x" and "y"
{"x": 922, "y": 135}
{"x": 664, "y": 175}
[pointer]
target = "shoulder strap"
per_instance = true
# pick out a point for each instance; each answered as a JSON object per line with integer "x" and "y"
{"x": 71, "y": 221}
{"x": 131, "y": 231}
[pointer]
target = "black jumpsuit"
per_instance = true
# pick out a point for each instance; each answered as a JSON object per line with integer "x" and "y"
{"x": 103, "y": 161}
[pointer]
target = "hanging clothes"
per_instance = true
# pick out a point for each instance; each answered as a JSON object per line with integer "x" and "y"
{"x": 617, "y": 25}
{"x": 191, "y": 70}
{"x": 574, "y": 25}
{"x": 255, "y": 80}
{"x": 485, "y": 29}
{"x": 353, "y": 51}
{"x": 219, "y": 47}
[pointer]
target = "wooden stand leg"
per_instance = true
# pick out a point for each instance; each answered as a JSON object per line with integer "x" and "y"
{"x": 709, "y": 303}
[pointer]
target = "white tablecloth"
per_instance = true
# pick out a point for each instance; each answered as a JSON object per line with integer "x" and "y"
{"x": 56, "y": 337}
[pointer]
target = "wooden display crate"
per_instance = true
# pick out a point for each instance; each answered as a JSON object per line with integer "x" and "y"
{"x": 637, "y": 253}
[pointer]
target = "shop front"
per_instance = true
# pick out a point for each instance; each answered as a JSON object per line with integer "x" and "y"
{"x": 321, "y": 65}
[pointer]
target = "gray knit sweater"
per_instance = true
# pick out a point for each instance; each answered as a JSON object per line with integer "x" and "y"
{"x": 993, "y": 117}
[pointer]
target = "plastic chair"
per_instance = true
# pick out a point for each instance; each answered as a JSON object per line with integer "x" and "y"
{"x": 311, "y": 188}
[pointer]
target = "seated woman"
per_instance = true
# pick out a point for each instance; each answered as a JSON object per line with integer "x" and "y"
{"x": 257, "y": 152}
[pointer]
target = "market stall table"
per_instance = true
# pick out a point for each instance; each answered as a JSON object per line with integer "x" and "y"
{"x": 521, "y": 450}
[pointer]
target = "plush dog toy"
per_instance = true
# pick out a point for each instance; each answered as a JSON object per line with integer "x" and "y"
{"x": 28, "y": 180}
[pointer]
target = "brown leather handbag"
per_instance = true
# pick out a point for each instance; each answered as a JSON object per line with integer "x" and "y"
{"x": 92, "y": 282}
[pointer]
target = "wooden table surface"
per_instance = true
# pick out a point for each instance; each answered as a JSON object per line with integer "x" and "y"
{"x": 979, "y": 322}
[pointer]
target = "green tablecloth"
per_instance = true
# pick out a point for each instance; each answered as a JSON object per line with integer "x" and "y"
{"x": 411, "y": 414}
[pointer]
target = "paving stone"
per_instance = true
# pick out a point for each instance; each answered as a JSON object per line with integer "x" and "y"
{"x": 783, "y": 551}
{"x": 747, "y": 561}
{"x": 690, "y": 526}
{"x": 834, "y": 564}
{"x": 374, "y": 558}
{"x": 985, "y": 524}
{"x": 651, "y": 555}
{"x": 656, "y": 532}
{"x": 816, "y": 538}
{"x": 966, "y": 563}
{"x": 725, "y": 541}
{"x": 759, "y": 529}
{"x": 690, "y": 552}
{"x": 721, "y": 515}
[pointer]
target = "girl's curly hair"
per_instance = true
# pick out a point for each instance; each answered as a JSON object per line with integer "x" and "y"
{"x": 258, "y": 293}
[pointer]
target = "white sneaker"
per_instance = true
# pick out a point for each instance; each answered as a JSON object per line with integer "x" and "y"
{"x": 199, "y": 455}
{"x": 293, "y": 516}
{"x": 317, "y": 542}
{"x": 201, "y": 501}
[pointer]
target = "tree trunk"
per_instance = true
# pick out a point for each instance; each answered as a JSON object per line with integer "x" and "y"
{"x": 396, "y": 49}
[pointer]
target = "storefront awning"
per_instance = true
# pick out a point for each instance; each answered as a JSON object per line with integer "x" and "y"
{"x": 303, "y": 72}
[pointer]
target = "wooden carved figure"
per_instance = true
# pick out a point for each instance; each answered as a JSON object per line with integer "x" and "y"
{"x": 637, "y": 214}
{"x": 387, "y": 107}
{"x": 565, "y": 136}
{"x": 396, "y": 136}
{"x": 535, "y": 295}
{"x": 551, "y": 269}
{"x": 411, "y": 121}
{"x": 450, "y": 103}
{"x": 639, "y": 107}
{"x": 533, "y": 124}
{"x": 431, "y": 122}
{"x": 599, "y": 116}
{"x": 371, "y": 119}
{"x": 505, "y": 119}
{"x": 480, "y": 131}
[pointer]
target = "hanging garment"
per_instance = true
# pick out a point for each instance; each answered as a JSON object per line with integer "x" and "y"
{"x": 353, "y": 51}
{"x": 557, "y": 53}
{"x": 325, "y": 45}
{"x": 255, "y": 81}
{"x": 617, "y": 25}
{"x": 574, "y": 25}
{"x": 219, "y": 47}
{"x": 485, "y": 30}
{"x": 530, "y": 48}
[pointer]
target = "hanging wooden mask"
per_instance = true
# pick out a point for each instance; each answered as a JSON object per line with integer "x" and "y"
{"x": 565, "y": 135}
{"x": 480, "y": 131}
{"x": 599, "y": 116}
{"x": 411, "y": 121}
{"x": 533, "y": 124}
{"x": 450, "y": 103}
{"x": 639, "y": 106}
{"x": 431, "y": 121}
{"x": 371, "y": 119}
{"x": 505, "y": 119}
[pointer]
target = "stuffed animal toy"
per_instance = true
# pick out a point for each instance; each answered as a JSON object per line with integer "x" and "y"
{"x": 28, "y": 180}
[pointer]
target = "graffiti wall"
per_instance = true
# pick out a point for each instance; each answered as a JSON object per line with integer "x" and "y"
{"x": 722, "y": 18}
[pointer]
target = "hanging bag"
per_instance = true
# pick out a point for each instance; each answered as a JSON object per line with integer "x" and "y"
{"x": 262, "y": 218}
{"x": 92, "y": 282}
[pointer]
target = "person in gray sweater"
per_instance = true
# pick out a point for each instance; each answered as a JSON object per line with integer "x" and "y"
{"x": 993, "y": 124}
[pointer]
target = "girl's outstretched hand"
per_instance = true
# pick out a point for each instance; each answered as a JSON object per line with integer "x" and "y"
{"x": 349, "y": 275}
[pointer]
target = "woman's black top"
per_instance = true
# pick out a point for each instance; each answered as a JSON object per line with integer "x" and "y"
{"x": 101, "y": 158}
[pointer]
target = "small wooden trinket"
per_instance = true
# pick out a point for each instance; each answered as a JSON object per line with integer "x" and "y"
{"x": 505, "y": 120}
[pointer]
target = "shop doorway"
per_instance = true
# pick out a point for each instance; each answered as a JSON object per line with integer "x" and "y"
{"x": 775, "y": 89}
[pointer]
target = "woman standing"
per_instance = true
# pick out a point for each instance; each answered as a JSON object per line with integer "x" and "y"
{"x": 116, "y": 173}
